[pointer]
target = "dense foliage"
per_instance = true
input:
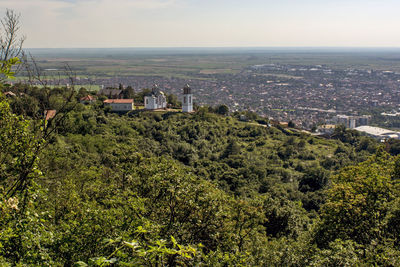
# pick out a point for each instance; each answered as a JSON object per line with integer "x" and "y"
{"x": 205, "y": 189}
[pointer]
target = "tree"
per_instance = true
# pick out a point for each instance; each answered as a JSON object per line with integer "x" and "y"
{"x": 315, "y": 178}
{"x": 18, "y": 150}
{"x": 20, "y": 232}
{"x": 358, "y": 203}
{"x": 173, "y": 101}
{"x": 393, "y": 146}
{"x": 232, "y": 149}
{"x": 19, "y": 146}
{"x": 314, "y": 129}
{"x": 10, "y": 42}
{"x": 223, "y": 109}
{"x": 128, "y": 92}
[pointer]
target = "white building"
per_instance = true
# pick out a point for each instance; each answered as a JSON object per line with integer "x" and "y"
{"x": 352, "y": 123}
{"x": 378, "y": 133}
{"x": 120, "y": 105}
{"x": 342, "y": 119}
{"x": 187, "y": 101}
{"x": 155, "y": 99}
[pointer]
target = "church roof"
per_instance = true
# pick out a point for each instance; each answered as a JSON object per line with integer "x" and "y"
{"x": 88, "y": 98}
{"x": 155, "y": 91}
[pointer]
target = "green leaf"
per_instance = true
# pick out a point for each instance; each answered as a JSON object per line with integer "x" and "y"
{"x": 173, "y": 241}
{"x": 80, "y": 264}
{"x": 133, "y": 244}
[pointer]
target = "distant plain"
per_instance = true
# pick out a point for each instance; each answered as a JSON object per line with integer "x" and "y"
{"x": 203, "y": 63}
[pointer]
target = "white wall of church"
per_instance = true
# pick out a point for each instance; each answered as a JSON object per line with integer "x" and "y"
{"x": 151, "y": 102}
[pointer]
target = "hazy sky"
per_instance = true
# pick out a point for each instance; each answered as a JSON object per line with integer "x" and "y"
{"x": 197, "y": 23}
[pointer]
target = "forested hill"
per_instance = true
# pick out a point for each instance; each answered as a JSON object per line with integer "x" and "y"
{"x": 241, "y": 158}
{"x": 172, "y": 189}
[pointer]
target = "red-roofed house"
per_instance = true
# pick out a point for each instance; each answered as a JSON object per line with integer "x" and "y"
{"x": 87, "y": 99}
{"x": 120, "y": 105}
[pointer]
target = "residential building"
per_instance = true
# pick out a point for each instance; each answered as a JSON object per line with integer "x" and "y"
{"x": 352, "y": 123}
{"x": 363, "y": 120}
{"x": 120, "y": 105}
{"x": 87, "y": 99}
{"x": 342, "y": 119}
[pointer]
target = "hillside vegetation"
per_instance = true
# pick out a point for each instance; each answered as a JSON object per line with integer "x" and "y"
{"x": 90, "y": 187}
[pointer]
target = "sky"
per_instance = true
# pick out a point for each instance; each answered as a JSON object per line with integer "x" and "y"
{"x": 207, "y": 23}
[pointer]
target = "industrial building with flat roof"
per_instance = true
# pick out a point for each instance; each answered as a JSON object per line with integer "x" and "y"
{"x": 378, "y": 133}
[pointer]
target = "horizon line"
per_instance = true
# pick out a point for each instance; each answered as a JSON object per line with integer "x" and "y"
{"x": 224, "y": 47}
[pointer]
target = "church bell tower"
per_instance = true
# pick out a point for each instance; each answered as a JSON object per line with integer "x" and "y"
{"x": 187, "y": 101}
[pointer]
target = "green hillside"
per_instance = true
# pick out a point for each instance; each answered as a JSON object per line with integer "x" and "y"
{"x": 174, "y": 189}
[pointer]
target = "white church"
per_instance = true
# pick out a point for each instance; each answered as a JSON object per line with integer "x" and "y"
{"x": 156, "y": 99}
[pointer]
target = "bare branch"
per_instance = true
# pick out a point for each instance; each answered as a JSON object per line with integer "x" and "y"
{"x": 10, "y": 42}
